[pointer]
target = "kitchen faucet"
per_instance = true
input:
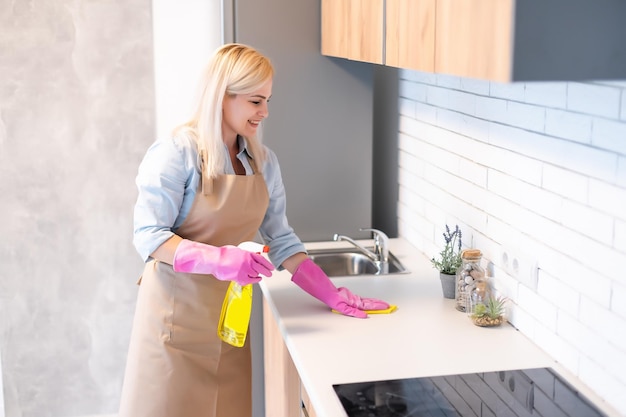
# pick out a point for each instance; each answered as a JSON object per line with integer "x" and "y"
{"x": 380, "y": 256}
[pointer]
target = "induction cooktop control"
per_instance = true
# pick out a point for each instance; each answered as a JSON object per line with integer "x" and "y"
{"x": 536, "y": 392}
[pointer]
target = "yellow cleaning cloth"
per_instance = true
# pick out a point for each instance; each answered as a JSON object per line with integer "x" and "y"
{"x": 389, "y": 310}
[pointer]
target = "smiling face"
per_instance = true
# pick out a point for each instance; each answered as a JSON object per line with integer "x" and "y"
{"x": 242, "y": 113}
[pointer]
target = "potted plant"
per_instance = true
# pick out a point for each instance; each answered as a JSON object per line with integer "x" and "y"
{"x": 490, "y": 312}
{"x": 449, "y": 260}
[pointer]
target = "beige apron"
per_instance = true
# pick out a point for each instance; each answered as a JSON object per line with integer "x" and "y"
{"x": 177, "y": 366}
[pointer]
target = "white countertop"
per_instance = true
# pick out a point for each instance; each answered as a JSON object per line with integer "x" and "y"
{"x": 426, "y": 336}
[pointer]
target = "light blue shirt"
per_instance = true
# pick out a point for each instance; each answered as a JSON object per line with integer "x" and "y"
{"x": 168, "y": 179}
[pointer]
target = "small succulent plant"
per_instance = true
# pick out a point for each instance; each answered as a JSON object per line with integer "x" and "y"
{"x": 450, "y": 257}
{"x": 490, "y": 312}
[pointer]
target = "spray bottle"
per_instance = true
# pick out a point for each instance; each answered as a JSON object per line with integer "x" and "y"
{"x": 237, "y": 307}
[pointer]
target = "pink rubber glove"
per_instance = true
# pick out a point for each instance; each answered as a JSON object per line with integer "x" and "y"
{"x": 314, "y": 281}
{"x": 226, "y": 263}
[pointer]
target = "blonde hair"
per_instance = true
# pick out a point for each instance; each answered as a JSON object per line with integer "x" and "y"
{"x": 233, "y": 69}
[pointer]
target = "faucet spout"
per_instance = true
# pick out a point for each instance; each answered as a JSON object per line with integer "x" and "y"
{"x": 381, "y": 244}
{"x": 356, "y": 244}
{"x": 380, "y": 256}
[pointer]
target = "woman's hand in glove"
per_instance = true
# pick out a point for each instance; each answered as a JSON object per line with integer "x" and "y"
{"x": 315, "y": 282}
{"x": 226, "y": 263}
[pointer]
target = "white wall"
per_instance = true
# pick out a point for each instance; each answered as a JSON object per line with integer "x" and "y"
{"x": 185, "y": 34}
{"x": 538, "y": 170}
{"x": 76, "y": 116}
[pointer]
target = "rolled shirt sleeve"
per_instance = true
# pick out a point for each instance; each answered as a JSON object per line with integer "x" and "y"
{"x": 165, "y": 182}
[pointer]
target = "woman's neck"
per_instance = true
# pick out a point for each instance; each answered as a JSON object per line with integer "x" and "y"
{"x": 233, "y": 150}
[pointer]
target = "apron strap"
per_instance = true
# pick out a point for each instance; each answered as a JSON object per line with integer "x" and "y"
{"x": 207, "y": 182}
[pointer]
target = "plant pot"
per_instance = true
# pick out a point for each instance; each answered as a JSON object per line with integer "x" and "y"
{"x": 448, "y": 284}
{"x": 487, "y": 321}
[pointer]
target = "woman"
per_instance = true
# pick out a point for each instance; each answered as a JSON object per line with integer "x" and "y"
{"x": 202, "y": 193}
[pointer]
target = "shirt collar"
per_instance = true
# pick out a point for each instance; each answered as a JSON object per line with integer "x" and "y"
{"x": 243, "y": 146}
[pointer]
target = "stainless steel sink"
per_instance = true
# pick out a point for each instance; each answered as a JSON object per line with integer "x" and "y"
{"x": 338, "y": 262}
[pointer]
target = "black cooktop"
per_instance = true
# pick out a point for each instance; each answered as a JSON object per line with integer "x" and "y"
{"x": 537, "y": 392}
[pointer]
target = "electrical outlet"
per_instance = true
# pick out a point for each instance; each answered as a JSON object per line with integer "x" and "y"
{"x": 519, "y": 264}
{"x": 519, "y": 386}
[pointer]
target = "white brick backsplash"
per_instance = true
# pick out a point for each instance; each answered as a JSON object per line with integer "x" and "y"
{"x": 565, "y": 183}
{"x": 591, "y": 345}
{"x": 563, "y": 153}
{"x": 525, "y": 116}
{"x": 588, "y": 221}
{"x": 568, "y": 125}
{"x": 524, "y": 322}
{"x": 508, "y": 91}
{"x": 609, "y": 326}
{"x": 562, "y": 295}
{"x": 426, "y": 113}
{"x": 474, "y": 85}
{"x": 597, "y": 100}
{"x": 462, "y": 102}
{"x": 621, "y": 172}
{"x": 493, "y": 109}
{"x": 538, "y": 307}
{"x": 576, "y": 273}
{"x": 413, "y": 90}
{"x": 618, "y": 299}
{"x": 438, "y": 96}
{"x": 539, "y": 168}
{"x": 605, "y": 383}
{"x": 546, "y": 94}
{"x": 451, "y": 82}
{"x": 619, "y": 240}
{"x": 406, "y": 107}
{"x": 557, "y": 346}
{"x": 463, "y": 124}
{"x": 473, "y": 172}
{"x": 609, "y": 134}
{"x": 512, "y": 163}
{"x": 607, "y": 198}
{"x": 528, "y": 196}
{"x": 419, "y": 76}
{"x": 410, "y": 127}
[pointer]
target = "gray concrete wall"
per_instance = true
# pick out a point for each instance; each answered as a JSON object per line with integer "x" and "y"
{"x": 76, "y": 115}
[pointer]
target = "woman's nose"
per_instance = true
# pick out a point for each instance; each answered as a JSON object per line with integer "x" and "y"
{"x": 264, "y": 110}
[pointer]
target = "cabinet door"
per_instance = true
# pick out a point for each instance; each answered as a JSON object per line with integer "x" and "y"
{"x": 353, "y": 29}
{"x": 366, "y": 31}
{"x": 335, "y": 26}
{"x": 282, "y": 382}
{"x": 474, "y": 38}
{"x": 410, "y": 34}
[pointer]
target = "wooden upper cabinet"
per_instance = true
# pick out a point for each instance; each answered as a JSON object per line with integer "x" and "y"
{"x": 335, "y": 25}
{"x": 353, "y": 29}
{"x": 500, "y": 40}
{"x": 473, "y": 38}
{"x": 410, "y": 34}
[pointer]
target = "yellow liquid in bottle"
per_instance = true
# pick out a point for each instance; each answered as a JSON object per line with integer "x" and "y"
{"x": 235, "y": 316}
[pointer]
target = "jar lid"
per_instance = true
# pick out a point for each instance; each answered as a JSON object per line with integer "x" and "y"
{"x": 471, "y": 253}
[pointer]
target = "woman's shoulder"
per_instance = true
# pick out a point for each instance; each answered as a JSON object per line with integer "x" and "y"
{"x": 174, "y": 144}
{"x": 269, "y": 155}
{"x": 176, "y": 151}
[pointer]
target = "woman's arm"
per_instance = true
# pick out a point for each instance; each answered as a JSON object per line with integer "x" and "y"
{"x": 292, "y": 263}
{"x": 165, "y": 252}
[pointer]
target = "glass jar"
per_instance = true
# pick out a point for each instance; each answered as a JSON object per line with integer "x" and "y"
{"x": 469, "y": 276}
